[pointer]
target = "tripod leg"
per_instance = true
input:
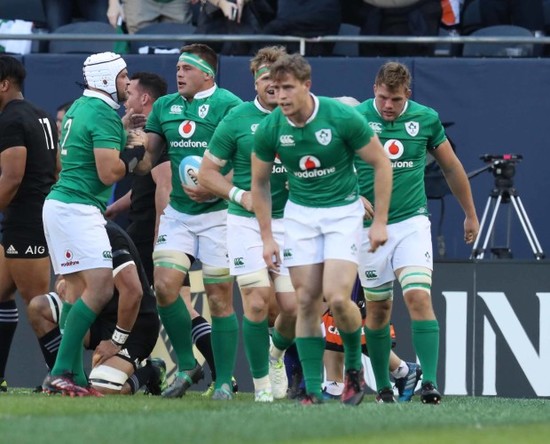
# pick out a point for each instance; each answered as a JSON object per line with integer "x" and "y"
{"x": 527, "y": 227}
{"x": 491, "y": 225}
{"x": 476, "y": 252}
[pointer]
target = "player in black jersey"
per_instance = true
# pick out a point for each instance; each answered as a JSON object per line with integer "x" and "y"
{"x": 28, "y": 163}
{"x": 117, "y": 353}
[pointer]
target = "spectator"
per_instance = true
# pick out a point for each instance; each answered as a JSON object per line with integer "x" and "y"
{"x": 526, "y": 13}
{"x": 307, "y": 18}
{"x": 228, "y": 17}
{"x": 392, "y": 18}
{"x": 140, "y": 13}
{"x": 63, "y": 12}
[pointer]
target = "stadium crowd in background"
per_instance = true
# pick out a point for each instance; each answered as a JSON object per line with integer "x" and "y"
{"x": 299, "y": 18}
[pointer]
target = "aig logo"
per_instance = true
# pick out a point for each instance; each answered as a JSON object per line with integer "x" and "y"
{"x": 34, "y": 249}
{"x": 187, "y": 128}
{"x": 286, "y": 140}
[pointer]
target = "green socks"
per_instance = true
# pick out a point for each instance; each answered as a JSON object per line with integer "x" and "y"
{"x": 311, "y": 350}
{"x": 352, "y": 349}
{"x": 79, "y": 320}
{"x": 65, "y": 309}
{"x": 425, "y": 337}
{"x": 177, "y": 323}
{"x": 279, "y": 341}
{"x": 256, "y": 346}
{"x": 379, "y": 347}
{"x": 225, "y": 338}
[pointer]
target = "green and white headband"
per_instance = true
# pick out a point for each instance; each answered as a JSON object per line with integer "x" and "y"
{"x": 197, "y": 62}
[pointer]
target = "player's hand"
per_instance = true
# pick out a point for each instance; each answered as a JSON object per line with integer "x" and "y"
{"x": 132, "y": 120}
{"x": 471, "y": 229}
{"x": 137, "y": 137}
{"x": 104, "y": 351}
{"x": 272, "y": 255}
{"x": 197, "y": 193}
{"x": 369, "y": 209}
{"x": 246, "y": 201}
{"x": 378, "y": 236}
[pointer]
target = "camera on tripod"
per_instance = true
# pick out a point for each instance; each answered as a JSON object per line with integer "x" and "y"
{"x": 502, "y": 165}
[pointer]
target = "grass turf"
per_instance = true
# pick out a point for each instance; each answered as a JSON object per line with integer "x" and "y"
{"x": 26, "y": 417}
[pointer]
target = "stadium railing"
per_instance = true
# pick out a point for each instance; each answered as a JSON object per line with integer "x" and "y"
{"x": 447, "y": 39}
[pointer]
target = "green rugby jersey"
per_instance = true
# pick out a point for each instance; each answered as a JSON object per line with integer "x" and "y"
{"x": 187, "y": 128}
{"x": 233, "y": 141}
{"x": 89, "y": 123}
{"x": 406, "y": 141}
{"x": 318, "y": 156}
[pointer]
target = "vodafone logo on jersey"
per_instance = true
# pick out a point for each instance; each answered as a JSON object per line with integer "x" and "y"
{"x": 394, "y": 149}
{"x": 187, "y": 128}
{"x": 309, "y": 163}
{"x": 311, "y": 167}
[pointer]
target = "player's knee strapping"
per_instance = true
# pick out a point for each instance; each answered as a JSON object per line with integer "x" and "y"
{"x": 383, "y": 292}
{"x": 215, "y": 275}
{"x": 283, "y": 284}
{"x": 108, "y": 377}
{"x": 255, "y": 279}
{"x": 176, "y": 260}
{"x": 416, "y": 278}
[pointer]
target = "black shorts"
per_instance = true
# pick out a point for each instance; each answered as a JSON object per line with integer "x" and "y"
{"x": 24, "y": 242}
{"x": 140, "y": 343}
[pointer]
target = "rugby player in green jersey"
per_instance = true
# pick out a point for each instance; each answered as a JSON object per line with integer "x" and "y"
{"x": 316, "y": 139}
{"x": 193, "y": 225}
{"x": 93, "y": 158}
{"x": 233, "y": 142}
{"x": 408, "y": 130}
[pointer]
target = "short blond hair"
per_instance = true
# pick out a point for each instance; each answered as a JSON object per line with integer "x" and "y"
{"x": 393, "y": 75}
{"x": 266, "y": 56}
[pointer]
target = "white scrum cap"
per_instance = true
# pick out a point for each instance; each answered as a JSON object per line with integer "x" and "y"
{"x": 101, "y": 70}
{"x": 346, "y": 100}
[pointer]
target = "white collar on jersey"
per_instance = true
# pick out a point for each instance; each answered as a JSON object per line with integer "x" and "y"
{"x": 260, "y": 107}
{"x": 98, "y": 95}
{"x": 402, "y": 112}
{"x": 313, "y": 115}
{"x": 206, "y": 93}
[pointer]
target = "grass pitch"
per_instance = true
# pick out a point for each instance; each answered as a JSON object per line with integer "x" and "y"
{"x": 27, "y": 417}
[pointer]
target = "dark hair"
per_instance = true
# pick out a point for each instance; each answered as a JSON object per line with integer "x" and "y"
{"x": 12, "y": 69}
{"x": 204, "y": 52}
{"x": 65, "y": 106}
{"x": 152, "y": 83}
